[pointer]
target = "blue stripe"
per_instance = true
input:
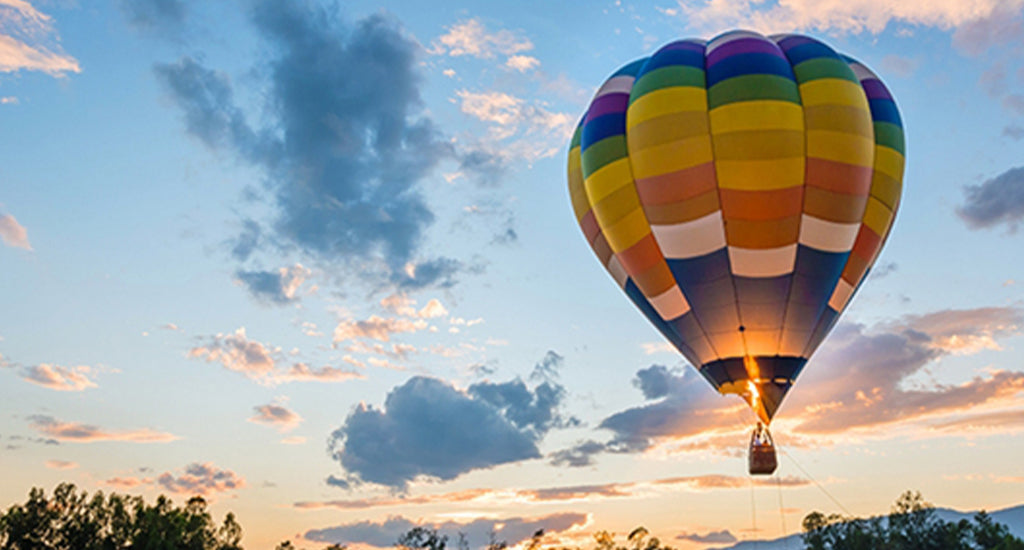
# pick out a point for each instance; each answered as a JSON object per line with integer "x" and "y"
{"x": 751, "y": 290}
{"x": 884, "y": 110}
{"x": 692, "y": 272}
{"x": 666, "y": 329}
{"x": 749, "y": 63}
{"x": 811, "y": 50}
{"x": 631, "y": 69}
{"x": 668, "y": 58}
{"x": 612, "y": 124}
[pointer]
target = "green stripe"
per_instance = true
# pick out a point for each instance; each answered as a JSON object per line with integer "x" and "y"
{"x": 823, "y": 67}
{"x": 577, "y": 137}
{"x": 606, "y": 151}
{"x": 753, "y": 87}
{"x": 890, "y": 135}
{"x": 665, "y": 77}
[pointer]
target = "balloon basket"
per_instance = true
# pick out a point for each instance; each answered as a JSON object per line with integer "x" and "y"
{"x": 761, "y": 459}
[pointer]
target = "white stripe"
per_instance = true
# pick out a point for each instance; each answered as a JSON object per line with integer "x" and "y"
{"x": 617, "y": 85}
{"x": 670, "y": 304}
{"x": 691, "y": 239}
{"x": 617, "y": 271}
{"x": 749, "y": 262}
{"x": 840, "y": 296}
{"x": 828, "y": 236}
{"x": 733, "y": 36}
{"x": 862, "y": 72}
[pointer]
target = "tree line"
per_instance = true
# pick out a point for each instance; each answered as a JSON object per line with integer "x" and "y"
{"x": 70, "y": 519}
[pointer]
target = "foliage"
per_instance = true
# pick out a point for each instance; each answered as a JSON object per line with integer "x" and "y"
{"x": 911, "y": 525}
{"x": 72, "y": 520}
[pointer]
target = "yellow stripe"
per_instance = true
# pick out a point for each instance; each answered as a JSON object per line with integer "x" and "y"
{"x": 841, "y": 147}
{"x": 627, "y": 231}
{"x": 759, "y": 145}
{"x": 670, "y": 157}
{"x": 886, "y": 189}
{"x": 608, "y": 179}
{"x": 760, "y": 175}
{"x": 877, "y": 216}
{"x": 841, "y": 118}
{"x": 757, "y": 115}
{"x": 616, "y": 206}
{"x": 666, "y": 101}
{"x": 577, "y": 193}
{"x": 889, "y": 162}
{"x": 668, "y": 128}
{"x": 833, "y": 91}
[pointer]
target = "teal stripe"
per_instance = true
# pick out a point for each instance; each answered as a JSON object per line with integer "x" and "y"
{"x": 577, "y": 137}
{"x": 602, "y": 153}
{"x": 823, "y": 67}
{"x": 753, "y": 87}
{"x": 666, "y": 77}
{"x": 890, "y": 135}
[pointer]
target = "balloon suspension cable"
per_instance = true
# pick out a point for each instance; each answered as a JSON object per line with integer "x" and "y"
{"x": 823, "y": 490}
{"x": 753, "y": 513}
{"x": 782, "y": 511}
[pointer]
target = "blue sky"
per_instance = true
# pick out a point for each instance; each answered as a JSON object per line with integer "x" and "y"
{"x": 317, "y": 261}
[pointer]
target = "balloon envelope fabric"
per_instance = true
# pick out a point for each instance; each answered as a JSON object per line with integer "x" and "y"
{"x": 739, "y": 190}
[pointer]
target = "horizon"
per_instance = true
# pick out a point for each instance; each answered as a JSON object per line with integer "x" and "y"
{"x": 319, "y": 264}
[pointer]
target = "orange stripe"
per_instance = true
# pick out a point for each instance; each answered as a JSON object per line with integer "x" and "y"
{"x": 602, "y": 249}
{"x": 761, "y": 205}
{"x": 867, "y": 243}
{"x": 682, "y": 211}
{"x": 833, "y": 206}
{"x": 762, "y": 234}
{"x": 588, "y": 223}
{"x": 655, "y": 280}
{"x": 677, "y": 186}
{"x": 641, "y": 256}
{"x": 855, "y": 269}
{"x": 838, "y": 176}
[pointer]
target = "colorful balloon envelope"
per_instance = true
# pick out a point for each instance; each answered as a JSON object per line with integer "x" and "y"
{"x": 739, "y": 190}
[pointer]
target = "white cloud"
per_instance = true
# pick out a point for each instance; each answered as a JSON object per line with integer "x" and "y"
{"x": 522, "y": 63}
{"x": 12, "y": 232}
{"x": 56, "y": 377}
{"x": 376, "y": 328}
{"x": 538, "y": 132}
{"x": 29, "y": 43}
{"x": 472, "y": 38}
{"x": 432, "y": 309}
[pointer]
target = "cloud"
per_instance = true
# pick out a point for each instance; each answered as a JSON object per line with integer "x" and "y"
{"x": 162, "y": 15}
{"x": 1000, "y": 24}
{"x": 56, "y": 377}
{"x": 128, "y": 482}
{"x": 343, "y": 157}
{"x": 999, "y": 200}
{"x": 841, "y": 16}
{"x": 433, "y": 309}
{"x": 60, "y": 465}
{"x": 711, "y": 537}
{"x": 200, "y": 479}
{"x": 471, "y": 37}
{"x": 1014, "y": 131}
{"x": 376, "y": 328}
{"x": 276, "y": 416}
{"x": 29, "y": 43}
{"x": 75, "y": 432}
{"x": 261, "y": 362}
{"x": 900, "y": 66}
{"x": 428, "y": 428}
{"x": 560, "y": 494}
{"x": 478, "y": 532}
{"x": 522, "y": 63}
{"x": 275, "y": 287}
{"x": 13, "y": 233}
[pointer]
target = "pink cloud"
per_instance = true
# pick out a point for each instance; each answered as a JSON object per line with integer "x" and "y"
{"x": 75, "y": 432}
{"x": 201, "y": 479}
{"x": 276, "y": 416}
{"x": 128, "y": 482}
{"x": 301, "y": 372}
{"x": 236, "y": 352}
{"x": 29, "y": 42}
{"x": 12, "y": 233}
{"x": 56, "y": 377}
{"x": 376, "y": 328}
{"x": 60, "y": 464}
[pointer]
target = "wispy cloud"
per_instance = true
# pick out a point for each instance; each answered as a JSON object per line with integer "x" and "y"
{"x": 74, "y": 432}
{"x": 478, "y": 532}
{"x": 997, "y": 201}
{"x": 13, "y": 233}
{"x": 472, "y": 38}
{"x": 376, "y": 328}
{"x": 279, "y": 287}
{"x": 56, "y": 377}
{"x": 276, "y": 416}
{"x": 28, "y": 41}
{"x": 60, "y": 464}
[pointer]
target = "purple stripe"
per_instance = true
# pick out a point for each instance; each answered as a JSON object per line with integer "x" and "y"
{"x": 609, "y": 103}
{"x": 682, "y": 45}
{"x": 794, "y": 40}
{"x": 874, "y": 89}
{"x": 744, "y": 45}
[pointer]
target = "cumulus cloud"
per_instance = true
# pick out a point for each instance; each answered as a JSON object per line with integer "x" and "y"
{"x": 845, "y": 16}
{"x": 261, "y": 362}
{"x": 28, "y": 41}
{"x": 13, "y": 233}
{"x": 478, "y": 532}
{"x": 997, "y": 201}
{"x": 471, "y": 37}
{"x": 74, "y": 432}
{"x": 428, "y": 428}
{"x": 275, "y": 287}
{"x": 343, "y": 157}
{"x": 200, "y": 479}
{"x": 56, "y": 377}
{"x": 522, "y": 63}
{"x": 277, "y": 416}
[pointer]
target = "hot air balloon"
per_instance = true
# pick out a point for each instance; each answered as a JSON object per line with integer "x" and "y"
{"x": 739, "y": 190}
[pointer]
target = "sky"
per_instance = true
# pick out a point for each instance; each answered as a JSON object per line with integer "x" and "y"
{"x": 317, "y": 262}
